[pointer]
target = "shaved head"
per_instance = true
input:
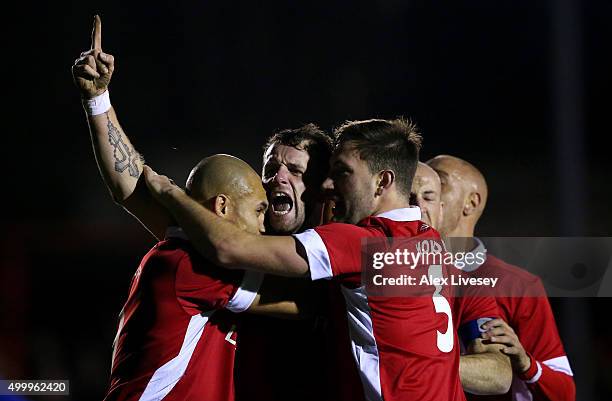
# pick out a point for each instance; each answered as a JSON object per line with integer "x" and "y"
{"x": 231, "y": 188}
{"x": 425, "y": 174}
{"x": 426, "y": 191}
{"x": 464, "y": 193}
{"x": 221, "y": 174}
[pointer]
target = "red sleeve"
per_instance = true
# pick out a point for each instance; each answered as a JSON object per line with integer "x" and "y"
{"x": 334, "y": 249}
{"x": 546, "y": 384}
{"x": 534, "y": 323}
{"x": 536, "y": 328}
{"x": 471, "y": 312}
{"x": 473, "y": 308}
{"x": 201, "y": 286}
{"x": 553, "y": 386}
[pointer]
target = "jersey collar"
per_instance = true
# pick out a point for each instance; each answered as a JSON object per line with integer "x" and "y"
{"x": 412, "y": 213}
{"x": 470, "y": 267}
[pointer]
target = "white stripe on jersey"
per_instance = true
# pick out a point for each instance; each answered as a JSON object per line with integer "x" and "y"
{"x": 535, "y": 377}
{"x": 560, "y": 364}
{"x": 246, "y": 293}
{"x": 318, "y": 258}
{"x": 412, "y": 213}
{"x": 520, "y": 391}
{"x": 363, "y": 342}
{"x": 166, "y": 376}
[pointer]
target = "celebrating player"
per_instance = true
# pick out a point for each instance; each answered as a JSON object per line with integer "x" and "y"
{"x": 483, "y": 369}
{"x": 177, "y": 332}
{"x": 294, "y": 167}
{"x": 426, "y": 194}
{"x": 295, "y": 163}
{"x": 530, "y": 337}
{"x": 291, "y": 163}
{"x": 226, "y": 185}
{"x": 394, "y": 339}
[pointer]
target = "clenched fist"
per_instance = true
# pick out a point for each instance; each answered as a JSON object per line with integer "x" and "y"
{"x": 92, "y": 71}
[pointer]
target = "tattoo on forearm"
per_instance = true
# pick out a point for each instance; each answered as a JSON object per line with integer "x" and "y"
{"x": 125, "y": 155}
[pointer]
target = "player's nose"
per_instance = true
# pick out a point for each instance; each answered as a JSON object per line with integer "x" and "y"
{"x": 328, "y": 184}
{"x": 420, "y": 203}
{"x": 281, "y": 176}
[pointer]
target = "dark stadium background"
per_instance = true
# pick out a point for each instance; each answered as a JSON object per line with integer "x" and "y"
{"x": 520, "y": 88}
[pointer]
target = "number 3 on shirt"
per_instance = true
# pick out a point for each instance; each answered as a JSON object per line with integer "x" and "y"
{"x": 445, "y": 340}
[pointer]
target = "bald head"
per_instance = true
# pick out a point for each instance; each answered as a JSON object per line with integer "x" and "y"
{"x": 426, "y": 191}
{"x": 464, "y": 193}
{"x": 231, "y": 188}
{"x": 221, "y": 174}
{"x": 425, "y": 175}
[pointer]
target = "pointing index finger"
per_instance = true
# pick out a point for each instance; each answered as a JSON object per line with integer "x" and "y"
{"x": 96, "y": 34}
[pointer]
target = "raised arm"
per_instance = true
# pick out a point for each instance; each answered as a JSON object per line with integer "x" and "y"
{"x": 119, "y": 163}
{"x": 224, "y": 243}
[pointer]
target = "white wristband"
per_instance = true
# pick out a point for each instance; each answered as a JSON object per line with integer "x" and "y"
{"x": 97, "y": 105}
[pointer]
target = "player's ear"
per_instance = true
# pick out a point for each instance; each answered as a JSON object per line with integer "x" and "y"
{"x": 472, "y": 203}
{"x": 385, "y": 179}
{"x": 221, "y": 207}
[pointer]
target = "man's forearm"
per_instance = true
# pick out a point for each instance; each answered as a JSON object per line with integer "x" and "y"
{"x": 206, "y": 231}
{"x": 118, "y": 161}
{"x": 227, "y": 245}
{"x": 485, "y": 373}
{"x": 121, "y": 168}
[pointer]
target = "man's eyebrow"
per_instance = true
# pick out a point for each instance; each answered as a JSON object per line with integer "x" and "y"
{"x": 295, "y": 165}
{"x": 340, "y": 163}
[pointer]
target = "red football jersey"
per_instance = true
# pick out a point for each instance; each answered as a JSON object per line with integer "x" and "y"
{"x": 177, "y": 332}
{"x": 474, "y": 305}
{"x": 472, "y": 310}
{"x": 405, "y": 348}
{"x": 529, "y": 313}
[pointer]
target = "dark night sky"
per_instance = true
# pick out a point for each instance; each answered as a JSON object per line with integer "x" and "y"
{"x": 220, "y": 76}
{"x": 191, "y": 80}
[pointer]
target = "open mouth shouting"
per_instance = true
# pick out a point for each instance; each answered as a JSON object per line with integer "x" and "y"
{"x": 281, "y": 203}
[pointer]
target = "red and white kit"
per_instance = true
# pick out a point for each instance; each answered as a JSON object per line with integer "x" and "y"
{"x": 528, "y": 312}
{"x": 405, "y": 348}
{"x": 177, "y": 332}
